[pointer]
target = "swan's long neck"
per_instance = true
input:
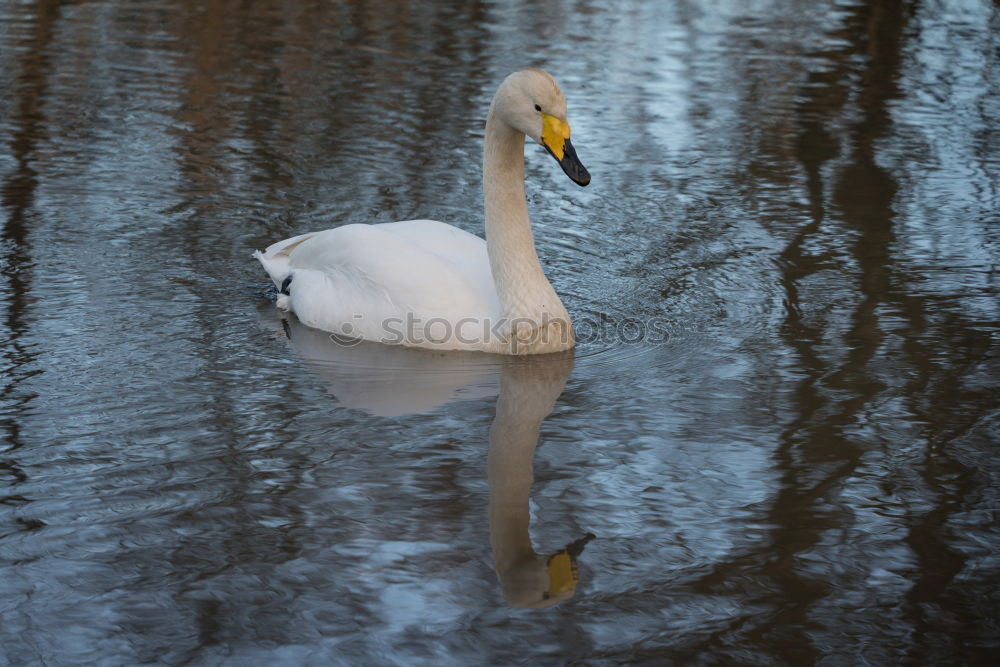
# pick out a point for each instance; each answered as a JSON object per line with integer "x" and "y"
{"x": 521, "y": 284}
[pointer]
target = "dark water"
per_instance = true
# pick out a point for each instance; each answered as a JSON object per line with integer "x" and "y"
{"x": 781, "y": 427}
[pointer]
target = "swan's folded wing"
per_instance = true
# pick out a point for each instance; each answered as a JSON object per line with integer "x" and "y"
{"x": 377, "y": 268}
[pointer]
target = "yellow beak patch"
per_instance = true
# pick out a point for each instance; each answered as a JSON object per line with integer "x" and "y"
{"x": 555, "y": 132}
{"x": 562, "y": 573}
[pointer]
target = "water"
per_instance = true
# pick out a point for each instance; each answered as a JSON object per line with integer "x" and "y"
{"x": 780, "y": 426}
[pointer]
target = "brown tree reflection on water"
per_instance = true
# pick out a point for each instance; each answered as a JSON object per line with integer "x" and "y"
{"x": 843, "y": 115}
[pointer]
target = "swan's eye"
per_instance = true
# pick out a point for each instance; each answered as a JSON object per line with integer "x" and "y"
{"x": 538, "y": 107}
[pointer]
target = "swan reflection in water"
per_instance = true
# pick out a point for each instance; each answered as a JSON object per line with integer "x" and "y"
{"x": 392, "y": 380}
{"x": 529, "y": 388}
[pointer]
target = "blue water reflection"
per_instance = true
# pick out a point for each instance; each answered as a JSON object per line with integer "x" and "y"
{"x": 801, "y": 199}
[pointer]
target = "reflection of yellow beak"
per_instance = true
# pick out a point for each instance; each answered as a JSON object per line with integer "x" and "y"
{"x": 555, "y": 132}
{"x": 563, "y": 575}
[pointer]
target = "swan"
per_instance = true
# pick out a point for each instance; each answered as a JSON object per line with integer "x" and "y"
{"x": 423, "y": 283}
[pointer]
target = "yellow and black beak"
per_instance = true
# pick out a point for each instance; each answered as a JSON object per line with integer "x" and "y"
{"x": 555, "y": 138}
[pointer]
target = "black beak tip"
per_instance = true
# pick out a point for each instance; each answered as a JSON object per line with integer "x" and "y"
{"x": 576, "y": 171}
{"x": 571, "y": 164}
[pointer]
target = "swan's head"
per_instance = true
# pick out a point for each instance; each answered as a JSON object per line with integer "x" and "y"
{"x": 531, "y": 102}
{"x": 540, "y": 582}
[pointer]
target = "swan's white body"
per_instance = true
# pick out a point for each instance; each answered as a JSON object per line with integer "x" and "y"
{"x": 389, "y": 282}
{"x": 423, "y": 283}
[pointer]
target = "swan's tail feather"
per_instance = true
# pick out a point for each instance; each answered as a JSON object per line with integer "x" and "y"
{"x": 276, "y": 267}
{"x": 275, "y": 262}
{"x": 281, "y": 275}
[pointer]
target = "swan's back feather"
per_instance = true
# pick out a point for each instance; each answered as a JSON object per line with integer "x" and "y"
{"x": 284, "y": 248}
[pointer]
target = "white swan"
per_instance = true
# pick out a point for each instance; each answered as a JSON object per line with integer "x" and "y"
{"x": 423, "y": 283}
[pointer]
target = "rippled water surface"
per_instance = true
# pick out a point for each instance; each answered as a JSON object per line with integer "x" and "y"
{"x": 776, "y": 443}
